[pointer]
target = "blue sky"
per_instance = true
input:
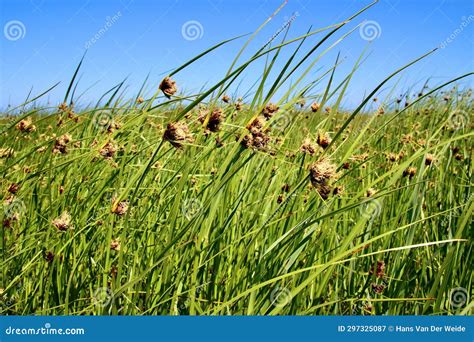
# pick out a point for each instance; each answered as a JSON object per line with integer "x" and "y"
{"x": 43, "y": 40}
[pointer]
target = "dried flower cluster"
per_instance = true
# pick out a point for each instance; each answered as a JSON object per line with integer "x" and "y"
{"x": 168, "y": 87}
{"x": 258, "y": 138}
{"x": 269, "y": 110}
{"x": 177, "y": 133}
{"x": 119, "y": 208}
{"x": 13, "y": 188}
{"x": 308, "y": 147}
{"x": 108, "y": 150}
{"x": 60, "y": 145}
{"x": 322, "y": 174}
{"x": 315, "y": 107}
{"x": 26, "y": 125}
{"x": 212, "y": 122}
{"x": 410, "y": 172}
{"x": 323, "y": 140}
{"x": 115, "y": 245}
{"x": 63, "y": 222}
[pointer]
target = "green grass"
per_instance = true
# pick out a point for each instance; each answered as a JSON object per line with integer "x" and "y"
{"x": 215, "y": 228}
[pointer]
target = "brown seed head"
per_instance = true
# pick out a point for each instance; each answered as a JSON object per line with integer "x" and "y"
{"x": 168, "y": 87}
{"x": 269, "y": 110}
{"x": 323, "y": 139}
{"x": 177, "y": 133}
{"x": 338, "y": 190}
{"x": 315, "y": 107}
{"x": 115, "y": 245}
{"x": 410, "y": 172}
{"x": 308, "y": 147}
{"x": 257, "y": 123}
{"x": 322, "y": 173}
{"x": 429, "y": 159}
{"x": 13, "y": 188}
{"x": 108, "y": 150}
{"x": 63, "y": 107}
{"x": 392, "y": 157}
{"x": 26, "y": 125}
{"x": 214, "y": 120}
{"x": 370, "y": 192}
{"x": 60, "y": 145}
{"x": 63, "y": 222}
{"x": 49, "y": 256}
{"x": 119, "y": 208}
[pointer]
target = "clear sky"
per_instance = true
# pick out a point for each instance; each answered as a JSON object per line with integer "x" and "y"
{"x": 43, "y": 40}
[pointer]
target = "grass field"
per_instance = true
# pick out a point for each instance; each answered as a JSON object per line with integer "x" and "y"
{"x": 208, "y": 204}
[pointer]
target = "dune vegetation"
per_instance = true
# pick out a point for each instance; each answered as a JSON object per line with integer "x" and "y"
{"x": 240, "y": 202}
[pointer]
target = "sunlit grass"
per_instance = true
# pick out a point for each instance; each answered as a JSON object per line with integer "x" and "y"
{"x": 202, "y": 204}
